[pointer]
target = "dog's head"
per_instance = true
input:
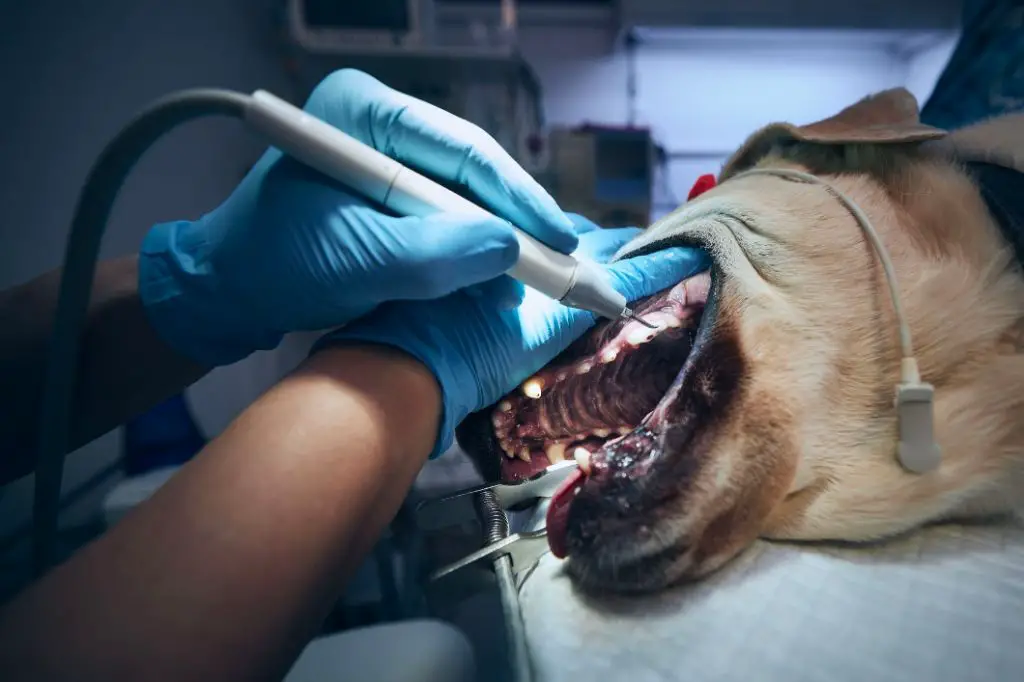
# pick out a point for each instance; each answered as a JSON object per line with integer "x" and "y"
{"x": 763, "y": 406}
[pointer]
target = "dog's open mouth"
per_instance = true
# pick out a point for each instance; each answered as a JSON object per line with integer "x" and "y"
{"x": 601, "y": 388}
{"x": 603, "y": 402}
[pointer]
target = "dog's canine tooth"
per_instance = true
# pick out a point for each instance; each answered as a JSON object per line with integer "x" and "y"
{"x": 506, "y": 447}
{"x": 584, "y": 367}
{"x": 524, "y": 454}
{"x": 505, "y": 406}
{"x": 609, "y": 355}
{"x": 555, "y": 453}
{"x": 533, "y": 387}
{"x": 582, "y": 457}
{"x": 602, "y": 433}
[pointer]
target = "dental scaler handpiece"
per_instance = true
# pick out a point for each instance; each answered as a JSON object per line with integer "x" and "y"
{"x": 380, "y": 178}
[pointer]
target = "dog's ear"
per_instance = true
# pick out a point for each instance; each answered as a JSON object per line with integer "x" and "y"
{"x": 889, "y": 117}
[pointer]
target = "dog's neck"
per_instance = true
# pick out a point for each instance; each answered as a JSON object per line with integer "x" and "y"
{"x": 992, "y": 153}
{"x": 1002, "y": 189}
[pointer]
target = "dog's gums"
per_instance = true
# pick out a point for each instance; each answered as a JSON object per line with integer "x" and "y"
{"x": 602, "y": 387}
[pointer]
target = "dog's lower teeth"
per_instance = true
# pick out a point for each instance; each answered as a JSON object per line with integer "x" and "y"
{"x": 555, "y": 453}
{"x": 524, "y": 454}
{"x": 602, "y": 433}
{"x": 582, "y": 457}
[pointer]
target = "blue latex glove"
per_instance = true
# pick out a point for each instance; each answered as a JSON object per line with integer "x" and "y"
{"x": 479, "y": 351}
{"x": 291, "y": 250}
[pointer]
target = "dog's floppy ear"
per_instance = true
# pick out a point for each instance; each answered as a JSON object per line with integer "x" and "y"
{"x": 889, "y": 117}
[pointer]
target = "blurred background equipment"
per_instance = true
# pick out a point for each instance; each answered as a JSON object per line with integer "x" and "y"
{"x": 602, "y": 172}
{"x": 477, "y": 74}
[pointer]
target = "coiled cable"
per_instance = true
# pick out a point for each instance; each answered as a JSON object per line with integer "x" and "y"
{"x": 496, "y": 528}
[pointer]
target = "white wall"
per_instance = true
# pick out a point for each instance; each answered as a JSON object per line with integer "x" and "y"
{"x": 925, "y": 66}
{"x": 72, "y": 74}
{"x": 703, "y": 92}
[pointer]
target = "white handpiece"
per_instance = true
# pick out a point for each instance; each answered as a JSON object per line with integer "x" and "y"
{"x": 380, "y": 178}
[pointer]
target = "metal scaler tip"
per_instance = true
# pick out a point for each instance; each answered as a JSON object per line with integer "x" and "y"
{"x": 629, "y": 315}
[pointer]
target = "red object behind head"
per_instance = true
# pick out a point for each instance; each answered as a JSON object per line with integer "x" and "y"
{"x": 703, "y": 184}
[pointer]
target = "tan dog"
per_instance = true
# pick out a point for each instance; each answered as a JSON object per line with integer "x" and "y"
{"x": 781, "y": 421}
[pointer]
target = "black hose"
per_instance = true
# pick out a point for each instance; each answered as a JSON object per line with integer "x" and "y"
{"x": 496, "y": 528}
{"x": 80, "y": 256}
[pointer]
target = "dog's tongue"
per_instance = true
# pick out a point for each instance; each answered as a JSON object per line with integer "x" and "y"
{"x": 558, "y": 511}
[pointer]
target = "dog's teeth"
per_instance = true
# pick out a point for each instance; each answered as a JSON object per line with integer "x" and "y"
{"x": 524, "y": 454}
{"x": 498, "y": 421}
{"x": 584, "y": 367}
{"x": 533, "y": 388}
{"x": 582, "y": 457}
{"x": 609, "y": 355}
{"x": 555, "y": 453}
{"x": 562, "y": 375}
{"x": 640, "y": 335}
{"x": 506, "y": 447}
{"x": 505, "y": 406}
{"x": 602, "y": 433}
{"x": 624, "y": 430}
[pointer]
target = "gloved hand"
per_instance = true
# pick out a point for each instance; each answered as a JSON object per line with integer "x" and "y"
{"x": 479, "y": 351}
{"x": 291, "y": 250}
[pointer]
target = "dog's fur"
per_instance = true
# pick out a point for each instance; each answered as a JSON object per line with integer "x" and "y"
{"x": 805, "y": 447}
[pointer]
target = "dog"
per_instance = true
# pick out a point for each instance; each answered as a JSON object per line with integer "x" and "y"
{"x": 764, "y": 405}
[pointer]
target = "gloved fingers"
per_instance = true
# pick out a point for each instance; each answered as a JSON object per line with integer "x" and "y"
{"x": 600, "y": 245}
{"x": 445, "y": 252}
{"x": 648, "y": 274}
{"x": 504, "y": 292}
{"x": 443, "y": 145}
{"x": 582, "y": 224}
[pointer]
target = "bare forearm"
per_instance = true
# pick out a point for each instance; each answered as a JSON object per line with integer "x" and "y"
{"x": 228, "y": 569}
{"x": 124, "y": 367}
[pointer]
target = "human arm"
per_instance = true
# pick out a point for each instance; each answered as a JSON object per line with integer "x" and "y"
{"x": 125, "y": 367}
{"x": 228, "y": 570}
